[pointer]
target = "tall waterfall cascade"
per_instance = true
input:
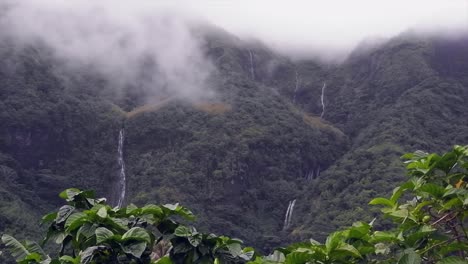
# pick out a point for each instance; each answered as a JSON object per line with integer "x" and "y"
{"x": 322, "y": 99}
{"x": 288, "y": 216}
{"x": 122, "y": 178}
{"x": 296, "y": 88}
{"x": 252, "y": 69}
{"x": 313, "y": 173}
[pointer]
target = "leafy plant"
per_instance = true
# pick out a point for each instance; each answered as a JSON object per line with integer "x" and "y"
{"x": 88, "y": 230}
{"x": 429, "y": 213}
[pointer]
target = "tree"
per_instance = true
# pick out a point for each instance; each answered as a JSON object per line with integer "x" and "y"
{"x": 88, "y": 230}
{"x": 428, "y": 212}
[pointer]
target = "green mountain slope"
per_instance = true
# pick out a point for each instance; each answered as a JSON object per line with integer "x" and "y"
{"x": 397, "y": 98}
{"x": 239, "y": 158}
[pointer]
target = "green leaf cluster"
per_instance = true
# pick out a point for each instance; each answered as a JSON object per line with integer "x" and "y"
{"x": 87, "y": 230}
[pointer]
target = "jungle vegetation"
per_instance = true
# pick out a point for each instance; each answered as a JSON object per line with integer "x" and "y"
{"x": 238, "y": 159}
{"x": 427, "y": 224}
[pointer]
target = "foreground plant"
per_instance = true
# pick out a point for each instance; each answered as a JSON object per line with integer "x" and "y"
{"x": 88, "y": 230}
{"x": 429, "y": 213}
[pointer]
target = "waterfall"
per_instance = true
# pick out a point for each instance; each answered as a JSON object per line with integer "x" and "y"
{"x": 252, "y": 71}
{"x": 122, "y": 179}
{"x": 296, "y": 88}
{"x": 313, "y": 173}
{"x": 289, "y": 212}
{"x": 322, "y": 99}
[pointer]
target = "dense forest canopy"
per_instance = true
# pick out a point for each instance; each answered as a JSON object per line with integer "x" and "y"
{"x": 429, "y": 228}
{"x": 270, "y": 150}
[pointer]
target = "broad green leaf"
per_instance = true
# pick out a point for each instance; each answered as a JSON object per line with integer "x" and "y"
{"x": 452, "y": 203}
{"x": 137, "y": 233}
{"x": 63, "y": 213}
{"x": 49, "y": 217}
{"x": 117, "y": 223}
{"x": 102, "y": 234}
{"x": 184, "y": 231}
{"x": 131, "y": 209}
{"x": 135, "y": 249}
{"x": 398, "y": 191}
{"x": 75, "y": 220}
{"x": 86, "y": 230}
{"x": 383, "y": 236}
{"x": 32, "y": 258}
{"x": 234, "y": 249}
{"x": 409, "y": 257}
{"x": 152, "y": 209}
{"x": 298, "y": 258}
{"x": 17, "y": 250}
{"x": 382, "y": 201}
{"x": 69, "y": 259}
{"x": 164, "y": 260}
{"x": 348, "y": 249}
{"x": 195, "y": 240}
{"x": 447, "y": 162}
{"x": 69, "y": 193}
{"x": 87, "y": 255}
{"x": 333, "y": 241}
{"x": 170, "y": 209}
{"x": 358, "y": 230}
{"x": 435, "y": 190}
{"x": 247, "y": 253}
{"x": 102, "y": 212}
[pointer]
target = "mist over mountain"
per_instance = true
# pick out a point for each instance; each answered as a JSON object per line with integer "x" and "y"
{"x": 233, "y": 128}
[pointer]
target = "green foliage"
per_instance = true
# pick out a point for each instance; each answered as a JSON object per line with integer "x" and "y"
{"x": 88, "y": 230}
{"x": 236, "y": 168}
{"x": 429, "y": 228}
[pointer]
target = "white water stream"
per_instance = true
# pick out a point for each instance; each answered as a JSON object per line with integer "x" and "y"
{"x": 122, "y": 178}
{"x": 252, "y": 70}
{"x": 289, "y": 212}
{"x": 322, "y": 99}
{"x": 296, "y": 88}
{"x": 313, "y": 173}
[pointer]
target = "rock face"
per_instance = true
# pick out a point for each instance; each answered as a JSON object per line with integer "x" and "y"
{"x": 278, "y": 136}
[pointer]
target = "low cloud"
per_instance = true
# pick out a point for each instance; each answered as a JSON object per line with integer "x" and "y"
{"x": 119, "y": 38}
{"x": 129, "y": 44}
{"x": 332, "y": 28}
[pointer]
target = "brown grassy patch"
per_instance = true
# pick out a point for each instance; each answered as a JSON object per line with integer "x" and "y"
{"x": 213, "y": 108}
{"x": 148, "y": 108}
{"x": 315, "y": 121}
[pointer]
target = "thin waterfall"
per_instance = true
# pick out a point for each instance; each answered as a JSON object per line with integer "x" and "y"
{"x": 296, "y": 87}
{"x": 252, "y": 70}
{"x": 122, "y": 178}
{"x": 289, "y": 212}
{"x": 322, "y": 99}
{"x": 313, "y": 173}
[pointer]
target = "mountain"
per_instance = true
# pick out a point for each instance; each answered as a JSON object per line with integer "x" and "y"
{"x": 328, "y": 137}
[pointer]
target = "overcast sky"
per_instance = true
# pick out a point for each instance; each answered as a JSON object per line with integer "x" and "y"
{"x": 116, "y": 36}
{"x": 332, "y": 25}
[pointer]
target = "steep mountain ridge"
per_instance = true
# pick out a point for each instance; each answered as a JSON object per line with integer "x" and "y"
{"x": 240, "y": 157}
{"x": 392, "y": 101}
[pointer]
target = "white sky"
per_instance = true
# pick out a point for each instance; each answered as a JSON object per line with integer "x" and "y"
{"x": 114, "y": 36}
{"x": 291, "y": 25}
{"x": 330, "y": 24}
{"x": 330, "y": 28}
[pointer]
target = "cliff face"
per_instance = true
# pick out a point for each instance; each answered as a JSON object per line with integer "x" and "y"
{"x": 275, "y": 131}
